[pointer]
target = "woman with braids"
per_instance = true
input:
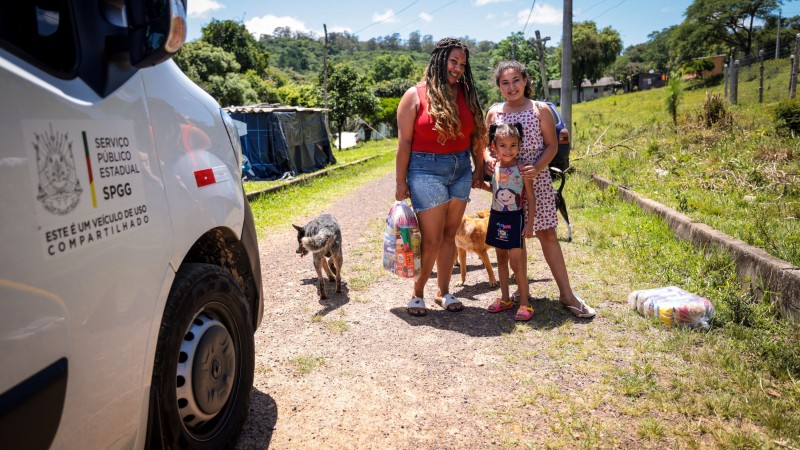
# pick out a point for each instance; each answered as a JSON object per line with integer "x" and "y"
{"x": 440, "y": 132}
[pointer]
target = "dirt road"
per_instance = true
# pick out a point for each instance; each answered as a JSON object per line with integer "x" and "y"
{"x": 356, "y": 371}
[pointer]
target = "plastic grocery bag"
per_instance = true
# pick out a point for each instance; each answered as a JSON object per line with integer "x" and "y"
{"x": 673, "y": 306}
{"x": 402, "y": 253}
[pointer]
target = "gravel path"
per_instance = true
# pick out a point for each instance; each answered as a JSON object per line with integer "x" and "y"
{"x": 356, "y": 371}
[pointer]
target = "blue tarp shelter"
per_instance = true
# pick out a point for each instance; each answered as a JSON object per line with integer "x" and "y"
{"x": 283, "y": 140}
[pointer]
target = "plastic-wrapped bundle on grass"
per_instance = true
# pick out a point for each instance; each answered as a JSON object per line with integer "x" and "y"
{"x": 673, "y": 306}
{"x": 402, "y": 253}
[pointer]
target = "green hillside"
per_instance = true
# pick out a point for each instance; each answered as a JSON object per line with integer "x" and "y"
{"x": 738, "y": 176}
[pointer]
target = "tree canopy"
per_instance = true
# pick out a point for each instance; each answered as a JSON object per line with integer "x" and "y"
{"x": 593, "y": 51}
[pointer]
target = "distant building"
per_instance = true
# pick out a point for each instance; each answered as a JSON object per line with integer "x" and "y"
{"x": 719, "y": 67}
{"x": 645, "y": 80}
{"x": 590, "y": 91}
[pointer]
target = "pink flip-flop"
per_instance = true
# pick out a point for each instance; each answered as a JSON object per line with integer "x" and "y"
{"x": 500, "y": 305}
{"x": 524, "y": 313}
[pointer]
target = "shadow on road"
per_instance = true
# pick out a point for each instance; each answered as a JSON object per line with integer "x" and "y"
{"x": 261, "y": 420}
{"x": 334, "y": 300}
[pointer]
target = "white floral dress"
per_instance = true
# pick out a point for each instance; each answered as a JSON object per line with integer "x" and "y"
{"x": 530, "y": 151}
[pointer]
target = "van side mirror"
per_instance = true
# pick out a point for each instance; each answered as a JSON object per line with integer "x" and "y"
{"x": 156, "y": 30}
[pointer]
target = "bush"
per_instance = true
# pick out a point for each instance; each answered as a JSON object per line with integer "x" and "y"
{"x": 714, "y": 110}
{"x": 787, "y": 115}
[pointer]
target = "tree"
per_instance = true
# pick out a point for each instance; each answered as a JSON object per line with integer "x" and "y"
{"x": 298, "y": 95}
{"x": 674, "y": 92}
{"x": 592, "y": 52}
{"x": 390, "y": 67}
{"x": 698, "y": 66}
{"x": 233, "y": 37}
{"x": 515, "y": 47}
{"x": 348, "y": 95}
{"x": 730, "y": 23}
{"x": 217, "y": 72}
{"x": 414, "y": 41}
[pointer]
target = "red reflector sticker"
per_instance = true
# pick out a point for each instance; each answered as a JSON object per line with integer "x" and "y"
{"x": 204, "y": 177}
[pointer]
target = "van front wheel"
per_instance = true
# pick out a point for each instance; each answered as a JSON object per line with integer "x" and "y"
{"x": 204, "y": 361}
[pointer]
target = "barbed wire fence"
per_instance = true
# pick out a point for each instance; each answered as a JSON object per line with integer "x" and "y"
{"x": 754, "y": 79}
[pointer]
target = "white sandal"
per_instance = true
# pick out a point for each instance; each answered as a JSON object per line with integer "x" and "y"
{"x": 584, "y": 312}
{"x": 416, "y": 307}
{"x": 450, "y": 303}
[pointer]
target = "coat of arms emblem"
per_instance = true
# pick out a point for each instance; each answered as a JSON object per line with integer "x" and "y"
{"x": 59, "y": 188}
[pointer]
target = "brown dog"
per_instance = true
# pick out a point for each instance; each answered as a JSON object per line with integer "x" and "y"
{"x": 471, "y": 236}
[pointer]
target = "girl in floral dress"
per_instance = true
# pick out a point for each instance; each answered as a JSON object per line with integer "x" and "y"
{"x": 538, "y": 148}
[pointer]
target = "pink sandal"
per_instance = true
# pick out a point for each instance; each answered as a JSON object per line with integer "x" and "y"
{"x": 524, "y": 313}
{"x": 500, "y": 305}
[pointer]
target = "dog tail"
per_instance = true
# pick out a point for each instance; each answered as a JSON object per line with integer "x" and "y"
{"x": 317, "y": 242}
{"x": 554, "y": 172}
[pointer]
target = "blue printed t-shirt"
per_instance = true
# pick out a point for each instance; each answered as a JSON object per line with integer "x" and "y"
{"x": 507, "y": 186}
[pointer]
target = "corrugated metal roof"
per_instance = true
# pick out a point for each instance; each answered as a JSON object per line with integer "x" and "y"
{"x": 271, "y": 107}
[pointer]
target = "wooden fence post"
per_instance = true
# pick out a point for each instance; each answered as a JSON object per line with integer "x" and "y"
{"x": 793, "y": 79}
{"x": 792, "y": 76}
{"x": 761, "y": 76}
{"x": 730, "y": 74}
{"x": 735, "y": 83}
{"x": 725, "y": 76}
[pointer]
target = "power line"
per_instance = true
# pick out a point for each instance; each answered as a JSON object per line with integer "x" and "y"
{"x": 384, "y": 20}
{"x": 587, "y": 9}
{"x": 609, "y": 9}
{"x": 429, "y": 12}
{"x": 529, "y": 17}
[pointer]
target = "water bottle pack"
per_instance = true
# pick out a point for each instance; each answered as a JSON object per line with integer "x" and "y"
{"x": 673, "y": 306}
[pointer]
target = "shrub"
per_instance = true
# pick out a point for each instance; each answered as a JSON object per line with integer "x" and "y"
{"x": 787, "y": 115}
{"x": 714, "y": 110}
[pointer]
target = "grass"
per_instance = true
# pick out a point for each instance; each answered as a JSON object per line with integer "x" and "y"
{"x": 739, "y": 177}
{"x": 733, "y": 386}
{"x": 302, "y": 199}
{"x": 343, "y": 157}
{"x": 306, "y": 364}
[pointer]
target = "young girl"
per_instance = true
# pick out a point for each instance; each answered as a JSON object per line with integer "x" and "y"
{"x": 538, "y": 148}
{"x": 508, "y": 228}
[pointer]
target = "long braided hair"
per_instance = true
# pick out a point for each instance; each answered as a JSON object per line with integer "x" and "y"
{"x": 502, "y": 66}
{"x": 441, "y": 105}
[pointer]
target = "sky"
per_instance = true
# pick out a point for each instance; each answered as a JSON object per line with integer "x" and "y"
{"x": 492, "y": 20}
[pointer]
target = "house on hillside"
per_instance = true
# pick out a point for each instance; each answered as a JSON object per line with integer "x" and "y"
{"x": 645, "y": 80}
{"x": 589, "y": 91}
{"x": 719, "y": 67}
{"x": 283, "y": 140}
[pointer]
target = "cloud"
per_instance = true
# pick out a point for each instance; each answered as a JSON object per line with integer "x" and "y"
{"x": 488, "y": 2}
{"x": 267, "y": 24}
{"x": 426, "y": 17}
{"x": 543, "y": 14}
{"x": 199, "y": 8}
{"x": 387, "y": 17}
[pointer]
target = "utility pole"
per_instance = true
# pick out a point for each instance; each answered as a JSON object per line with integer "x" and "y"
{"x": 325, "y": 66}
{"x": 540, "y": 46}
{"x": 778, "y": 39}
{"x": 566, "y": 66}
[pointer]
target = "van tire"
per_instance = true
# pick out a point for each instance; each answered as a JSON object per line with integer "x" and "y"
{"x": 204, "y": 362}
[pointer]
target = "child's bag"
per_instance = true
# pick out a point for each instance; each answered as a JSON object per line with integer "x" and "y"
{"x": 402, "y": 254}
{"x": 673, "y": 306}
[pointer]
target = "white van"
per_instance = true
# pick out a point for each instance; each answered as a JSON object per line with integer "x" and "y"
{"x": 130, "y": 280}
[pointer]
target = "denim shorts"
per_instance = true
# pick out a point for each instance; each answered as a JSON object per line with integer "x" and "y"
{"x": 435, "y": 178}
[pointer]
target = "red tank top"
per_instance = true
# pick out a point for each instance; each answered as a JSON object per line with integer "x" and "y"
{"x": 426, "y": 137}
